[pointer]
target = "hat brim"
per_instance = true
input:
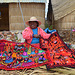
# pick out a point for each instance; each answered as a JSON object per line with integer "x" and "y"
{"x": 32, "y": 21}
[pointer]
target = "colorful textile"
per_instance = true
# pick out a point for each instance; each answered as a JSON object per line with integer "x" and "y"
{"x": 60, "y": 54}
{"x": 15, "y": 56}
{"x": 27, "y": 34}
{"x": 73, "y": 30}
{"x": 36, "y": 45}
{"x": 49, "y": 31}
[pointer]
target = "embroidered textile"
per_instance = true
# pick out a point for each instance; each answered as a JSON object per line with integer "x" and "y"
{"x": 60, "y": 54}
{"x": 15, "y": 56}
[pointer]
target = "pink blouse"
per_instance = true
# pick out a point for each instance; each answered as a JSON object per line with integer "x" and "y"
{"x": 27, "y": 34}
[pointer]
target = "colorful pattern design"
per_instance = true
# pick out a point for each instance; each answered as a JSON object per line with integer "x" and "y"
{"x": 15, "y": 56}
{"x": 57, "y": 50}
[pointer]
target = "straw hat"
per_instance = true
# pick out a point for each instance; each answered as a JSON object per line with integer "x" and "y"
{"x": 33, "y": 19}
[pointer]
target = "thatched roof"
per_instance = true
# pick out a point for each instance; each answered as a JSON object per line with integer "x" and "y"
{"x": 14, "y": 1}
{"x": 62, "y": 8}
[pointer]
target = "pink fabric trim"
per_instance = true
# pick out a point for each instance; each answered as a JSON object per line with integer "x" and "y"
{"x": 36, "y": 45}
{"x": 27, "y": 64}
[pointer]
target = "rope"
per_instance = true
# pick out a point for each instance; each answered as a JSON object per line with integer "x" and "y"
{"x": 21, "y": 12}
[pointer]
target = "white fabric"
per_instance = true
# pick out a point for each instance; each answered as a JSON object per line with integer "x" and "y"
{"x": 9, "y": 1}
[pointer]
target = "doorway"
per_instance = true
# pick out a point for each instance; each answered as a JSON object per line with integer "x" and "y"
{"x": 4, "y": 17}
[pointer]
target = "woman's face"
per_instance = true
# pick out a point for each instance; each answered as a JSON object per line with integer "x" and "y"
{"x": 33, "y": 24}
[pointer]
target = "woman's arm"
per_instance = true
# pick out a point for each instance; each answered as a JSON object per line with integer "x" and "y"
{"x": 44, "y": 34}
{"x": 26, "y": 34}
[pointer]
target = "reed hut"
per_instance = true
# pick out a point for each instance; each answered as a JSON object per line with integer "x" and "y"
{"x": 11, "y": 14}
{"x": 64, "y": 14}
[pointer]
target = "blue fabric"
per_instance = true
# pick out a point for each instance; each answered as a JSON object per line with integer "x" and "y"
{"x": 35, "y": 40}
{"x": 33, "y": 52}
{"x": 9, "y": 61}
{"x": 29, "y": 61}
{"x": 49, "y": 31}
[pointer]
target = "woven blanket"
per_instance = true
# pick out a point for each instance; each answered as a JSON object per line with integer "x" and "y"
{"x": 53, "y": 53}
{"x": 59, "y": 52}
{"x": 15, "y": 56}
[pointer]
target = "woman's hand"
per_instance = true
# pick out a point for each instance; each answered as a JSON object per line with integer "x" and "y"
{"x": 36, "y": 36}
{"x": 53, "y": 32}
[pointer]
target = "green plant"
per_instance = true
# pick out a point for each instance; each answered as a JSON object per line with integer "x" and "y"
{"x": 47, "y": 26}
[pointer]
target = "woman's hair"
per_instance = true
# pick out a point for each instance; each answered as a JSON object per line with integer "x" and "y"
{"x": 36, "y": 22}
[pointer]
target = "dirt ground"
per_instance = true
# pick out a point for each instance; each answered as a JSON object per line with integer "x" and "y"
{"x": 41, "y": 71}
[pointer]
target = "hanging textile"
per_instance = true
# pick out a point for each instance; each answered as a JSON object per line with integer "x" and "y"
{"x": 59, "y": 53}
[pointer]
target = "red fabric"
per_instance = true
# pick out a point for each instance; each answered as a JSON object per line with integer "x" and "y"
{"x": 59, "y": 53}
{"x": 23, "y": 55}
{"x": 15, "y": 56}
{"x": 36, "y": 45}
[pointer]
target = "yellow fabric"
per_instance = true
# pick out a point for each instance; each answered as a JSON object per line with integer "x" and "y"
{"x": 13, "y": 55}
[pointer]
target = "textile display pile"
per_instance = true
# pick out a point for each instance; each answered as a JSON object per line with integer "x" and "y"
{"x": 58, "y": 52}
{"x": 52, "y": 52}
{"x": 20, "y": 55}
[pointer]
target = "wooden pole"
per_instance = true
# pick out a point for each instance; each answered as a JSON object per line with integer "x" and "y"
{"x": 21, "y": 12}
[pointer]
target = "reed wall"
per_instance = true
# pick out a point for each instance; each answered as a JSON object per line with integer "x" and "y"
{"x": 29, "y": 10}
{"x": 66, "y": 23}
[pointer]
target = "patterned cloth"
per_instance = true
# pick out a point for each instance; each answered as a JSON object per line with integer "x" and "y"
{"x": 59, "y": 52}
{"x": 15, "y": 56}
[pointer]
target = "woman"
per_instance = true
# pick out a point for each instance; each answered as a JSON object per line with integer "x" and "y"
{"x": 32, "y": 33}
